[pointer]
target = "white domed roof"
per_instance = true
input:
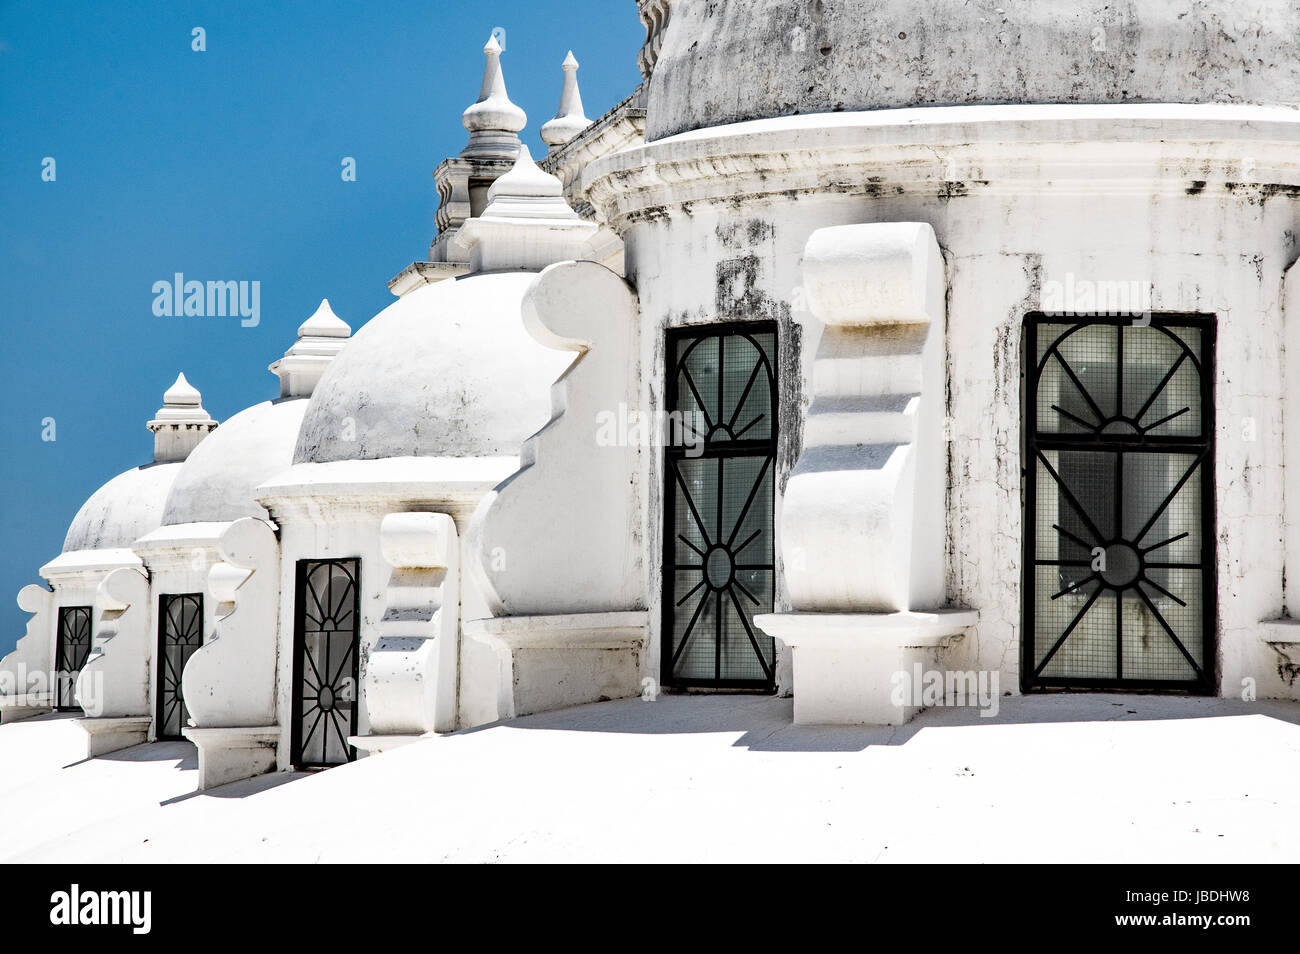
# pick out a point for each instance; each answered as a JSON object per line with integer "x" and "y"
{"x": 448, "y": 370}
{"x": 123, "y": 510}
{"x": 216, "y": 482}
{"x": 731, "y": 61}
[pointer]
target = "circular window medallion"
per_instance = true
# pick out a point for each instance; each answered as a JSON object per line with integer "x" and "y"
{"x": 1123, "y": 564}
{"x": 718, "y": 568}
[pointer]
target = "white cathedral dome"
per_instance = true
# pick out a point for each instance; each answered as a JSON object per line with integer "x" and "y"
{"x": 216, "y": 483}
{"x": 131, "y": 504}
{"x": 123, "y": 510}
{"x": 732, "y": 61}
{"x": 448, "y": 370}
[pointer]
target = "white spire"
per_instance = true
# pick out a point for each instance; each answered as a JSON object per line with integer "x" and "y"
{"x": 527, "y": 192}
{"x": 323, "y": 323}
{"x": 527, "y": 225}
{"x": 180, "y": 423}
{"x": 320, "y": 338}
{"x": 493, "y": 121}
{"x": 181, "y": 394}
{"x": 569, "y": 121}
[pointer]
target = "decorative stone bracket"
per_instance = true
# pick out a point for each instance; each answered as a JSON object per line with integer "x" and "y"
{"x": 113, "y": 687}
{"x": 863, "y": 516}
{"x": 410, "y": 678}
{"x": 25, "y": 688}
{"x": 563, "y": 534}
{"x": 556, "y": 548}
{"x": 229, "y": 683}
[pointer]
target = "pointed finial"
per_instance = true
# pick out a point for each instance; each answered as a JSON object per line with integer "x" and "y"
{"x": 182, "y": 394}
{"x": 320, "y": 338}
{"x": 527, "y": 224}
{"x": 324, "y": 324}
{"x": 526, "y": 180}
{"x": 180, "y": 423}
{"x": 493, "y": 121}
{"x": 569, "y": 121}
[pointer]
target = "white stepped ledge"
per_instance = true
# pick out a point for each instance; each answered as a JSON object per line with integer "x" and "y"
{"x": 104, "y": 735}
{"x": 845, "y": 664}
{"x": 561, "y": 660}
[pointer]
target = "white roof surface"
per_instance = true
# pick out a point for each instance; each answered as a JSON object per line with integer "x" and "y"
{"x": 703, "y": 778}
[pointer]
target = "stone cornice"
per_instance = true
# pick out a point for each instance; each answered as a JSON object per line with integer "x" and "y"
{"x": 450, "y": 485}
{"x": 87, "y": 566}
{"x": 950, "y": 152}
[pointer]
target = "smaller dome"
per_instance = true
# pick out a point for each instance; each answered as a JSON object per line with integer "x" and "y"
{"x": 123, "y": 510}
{"x": 447, "y": 370}
{"x": 131, "y": 504}
{"x": 216, "y": 483}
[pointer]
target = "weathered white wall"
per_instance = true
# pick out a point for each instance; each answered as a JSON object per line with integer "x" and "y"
{"x": 1214, "y": 252}
{"x": 178, "y": 560}
{"x": 321, "y": 520}
{"x": 729, "y": 61}
{"x": 1199, "y": 204}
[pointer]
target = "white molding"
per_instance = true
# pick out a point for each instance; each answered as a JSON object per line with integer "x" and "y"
{"x": 952, "y": 151}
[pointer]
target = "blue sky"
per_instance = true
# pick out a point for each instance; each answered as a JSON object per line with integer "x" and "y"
{"x": 223, "y": 165}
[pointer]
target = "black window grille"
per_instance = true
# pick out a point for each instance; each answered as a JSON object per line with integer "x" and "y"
{"x": 72, "y": 649}
{"x": 1119, "y": 574}
{"x": 325, "y": 662}
{"x": 721, "y": 392}
{"x": 180, "y": 634}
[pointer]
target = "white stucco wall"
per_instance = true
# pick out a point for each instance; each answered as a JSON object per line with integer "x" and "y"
{"x": 1190, "y": 199}
{"x": 334, "y": 511}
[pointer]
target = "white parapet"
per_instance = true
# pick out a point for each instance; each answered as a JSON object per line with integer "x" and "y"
{"x": 229, "y": 683}
{"x": 113, "y": 686}
{"x": 411, "y": 673}
{"x": 862, "y": 520}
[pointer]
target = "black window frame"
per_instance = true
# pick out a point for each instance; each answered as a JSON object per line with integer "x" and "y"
{"x": 1033, "y": 442}
{"x": 674, "y": 452}
{"x": 65, "y": 680}
{"x": 161, "y": 702}
{"x": 302, "y": 572}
